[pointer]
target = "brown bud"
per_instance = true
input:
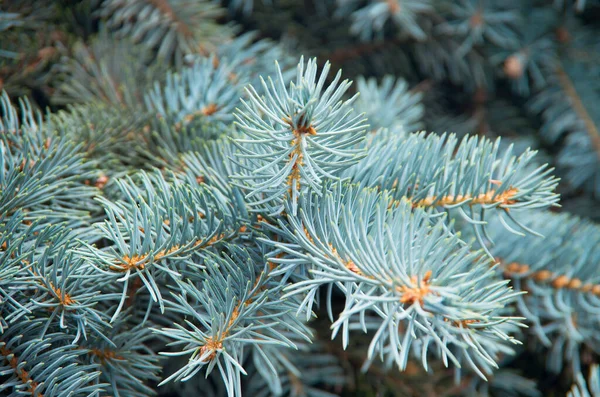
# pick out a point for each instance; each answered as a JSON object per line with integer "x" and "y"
{"x": 513, "y": 267}
{"x": 101, "y": 181}
{"x": 513, "y": 67}
{"x": 587, "y": 287}
{"x": 563, "y": 35}
{"x": 476, "y": 20}
{"x": 209, "y": 109}
{"x": 560, "y": 282}
{"x": 542, "y": 275}
{"x": 575, "y": 283}
{"x": 393, "y": 6}
{"x": 523, "y": 269}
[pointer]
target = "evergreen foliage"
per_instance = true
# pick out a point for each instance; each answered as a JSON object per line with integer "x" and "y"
{"x": 195, "y": 200}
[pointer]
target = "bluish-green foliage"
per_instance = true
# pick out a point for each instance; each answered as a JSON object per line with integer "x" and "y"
{"x": 389, "y": 105}
{"x": 173, "y": 28}
{"x": 296, "y": 137}
{"x": 425, "y": 284}
{"x": 560, "y": 275}
{"x": 205, "y": 212}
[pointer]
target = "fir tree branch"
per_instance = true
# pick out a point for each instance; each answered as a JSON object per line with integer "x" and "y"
{"x": 172, "y": 28}
{"x": 358, "y": 241}
{"x": 125, "y": 358}
{"x": 579, "y": 107}
{"x": 22, "y": 351}
{"x": 556, "y": 280}
{"x": 295, "y": 137}
{"x": 156, "y": 225}
{"x": 165, "y": 8}
{"x": 467, "y": 178}
{"x": 237, "y": 307}
{"x": 389, "y": 105}
{"x": 560, "y": 274}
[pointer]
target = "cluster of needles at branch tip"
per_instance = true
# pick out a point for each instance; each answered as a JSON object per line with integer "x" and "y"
{"x": 296, "y": 155}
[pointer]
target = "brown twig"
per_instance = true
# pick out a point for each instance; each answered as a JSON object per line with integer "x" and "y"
{"x": 579, "y": 107}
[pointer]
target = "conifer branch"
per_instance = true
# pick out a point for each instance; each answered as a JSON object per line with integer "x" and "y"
{"x": 295, "y": 137}
{"x": 63, "y": 375}
{"x": 580, "y": 108}
{"x": 153, "y": 226}
{"x": 124, "y": 358}
{"x": 237, "y": 307}
{"x": 165, "y": 211}
{"x": 489, "y": 198}
{"x": 165, "y": 8}
{"x": 468, "y": 178}
{"x": 556, "y": 280}
{"x": 560, "y": 275}
{"x": 173, "y": 28}
{"x": 355, "y": 239}
{"x": 21, "y": 373}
